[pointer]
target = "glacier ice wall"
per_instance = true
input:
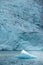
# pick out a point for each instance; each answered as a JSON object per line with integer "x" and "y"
{"x": 21, "y": 24}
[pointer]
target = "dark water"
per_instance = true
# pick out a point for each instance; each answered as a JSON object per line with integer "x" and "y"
{"x": 8, "y": 58}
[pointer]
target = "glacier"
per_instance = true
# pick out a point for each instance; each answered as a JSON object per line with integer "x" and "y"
{"x": 21, "y": 25}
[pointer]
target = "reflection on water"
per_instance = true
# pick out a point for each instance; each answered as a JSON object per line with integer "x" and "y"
{"x": 8, "y": 58}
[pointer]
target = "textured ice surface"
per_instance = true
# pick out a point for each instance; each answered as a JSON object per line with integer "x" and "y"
{"x": 21, "y": 24}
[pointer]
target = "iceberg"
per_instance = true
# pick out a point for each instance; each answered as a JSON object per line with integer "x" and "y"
{"x": 25, "y": 55}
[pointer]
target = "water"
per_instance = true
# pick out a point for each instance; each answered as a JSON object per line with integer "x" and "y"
{"x": 8, "y": 58}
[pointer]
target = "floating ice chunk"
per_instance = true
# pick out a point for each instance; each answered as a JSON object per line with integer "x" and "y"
{"x": 25, "y": 55}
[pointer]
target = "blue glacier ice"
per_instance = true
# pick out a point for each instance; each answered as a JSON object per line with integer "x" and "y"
{"x": 21, "y": 24}
{"x": 25, "y": 55}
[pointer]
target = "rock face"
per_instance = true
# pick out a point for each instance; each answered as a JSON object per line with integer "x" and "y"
{"x": 25, "y": 55}
{"x": 21, "y": 24}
